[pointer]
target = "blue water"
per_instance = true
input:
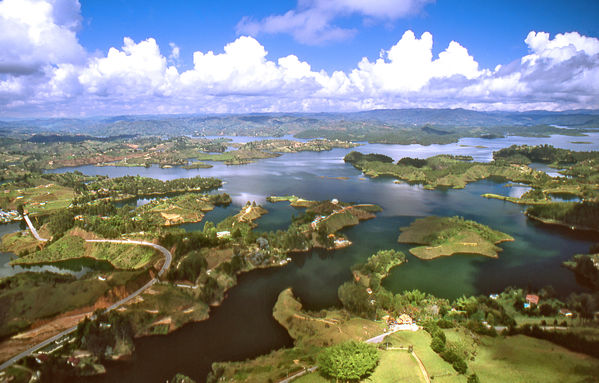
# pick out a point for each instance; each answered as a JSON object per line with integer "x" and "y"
{"x": 243, "y": 326}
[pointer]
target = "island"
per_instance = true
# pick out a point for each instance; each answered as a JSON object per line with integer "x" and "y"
{"x": 251, "y": 151}
{"x": 446, "y": 236}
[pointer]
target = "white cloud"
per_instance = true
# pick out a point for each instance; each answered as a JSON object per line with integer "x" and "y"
{"x": 137, "y": 69}
{"x": 51, "y": 74}
{"x": 38, "y": 33}
{"x": 312, "y": 21}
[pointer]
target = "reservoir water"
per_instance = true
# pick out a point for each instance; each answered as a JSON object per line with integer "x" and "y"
{"x": 243, "y": 327}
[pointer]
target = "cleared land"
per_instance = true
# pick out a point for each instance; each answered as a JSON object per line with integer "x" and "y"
{"x": 41, "y": 199}
{"x": 73, "y": 246}
{"x": 445, "y": 236}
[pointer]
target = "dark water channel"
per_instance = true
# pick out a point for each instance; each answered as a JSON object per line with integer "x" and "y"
{"x": 243, "y": 327}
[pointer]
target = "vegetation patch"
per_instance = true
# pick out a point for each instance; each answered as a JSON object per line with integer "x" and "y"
{"x": 571, "y": 214}
{"x": 445, "y": 236}
{"x": 377, "y": 267}
{"x": 164, "y": 308}
{"x": 121, "y": 256}
{"x": 186, "y": 208}
{"x": 27, "y": 297}
{"x": 293, "y": 200}
{"x": 586, "y": 267}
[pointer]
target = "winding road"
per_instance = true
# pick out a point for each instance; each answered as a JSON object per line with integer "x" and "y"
{"x": 168, "y": 257}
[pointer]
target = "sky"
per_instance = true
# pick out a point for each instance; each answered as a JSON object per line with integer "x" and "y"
{"x": 69, "y": 58}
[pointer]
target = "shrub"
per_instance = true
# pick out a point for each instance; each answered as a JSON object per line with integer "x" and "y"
{"x": 348, "y": 361}
{"x": 438, "y": 345}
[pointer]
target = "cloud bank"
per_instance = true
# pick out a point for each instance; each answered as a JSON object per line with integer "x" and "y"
{"x": 45, "y": 71}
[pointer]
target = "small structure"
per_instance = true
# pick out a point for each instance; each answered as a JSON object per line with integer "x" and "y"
{"x": 334, "y": 201}
{"x": 369, "y": 291}
{"x": 403, "y": 323}
{"x": 532, "y": 300}
{"x": 405, "y": 319}
{"x": 316, "y": 221}
{"x": 565, "y": 312}
{"x": 494, "y": 296}
{"x": 41, "y": 358}
{"x": 223, "y": 234}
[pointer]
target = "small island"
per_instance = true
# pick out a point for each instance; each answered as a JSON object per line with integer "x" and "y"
{"x": 293, "y": 200}
{"x": 446, "y": 236}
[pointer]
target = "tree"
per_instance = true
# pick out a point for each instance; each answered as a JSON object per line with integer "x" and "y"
{"x": 356, "y": 299}
{"x": 349, "y": 361}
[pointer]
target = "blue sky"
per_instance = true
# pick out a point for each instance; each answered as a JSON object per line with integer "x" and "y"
{"x": 65, "y": 57}
{"x": 493, "y": 31}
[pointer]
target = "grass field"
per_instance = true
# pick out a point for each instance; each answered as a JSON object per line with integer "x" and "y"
{"x": 521, "y": 359}
{"x": 524, "y": 359}
{"x": 396, "y": 366}
{"x": 436, "y": 367}
{"x": 445, "y": 236}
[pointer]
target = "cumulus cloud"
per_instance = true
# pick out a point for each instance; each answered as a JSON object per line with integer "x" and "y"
{"x": 45, "y": 71}
{"x": 136, "y": 69}
{"x": 38, "y": 33}
{"x": 312, "y": 21}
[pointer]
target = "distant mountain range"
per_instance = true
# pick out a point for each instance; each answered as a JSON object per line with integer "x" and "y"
{"x": 291, "y": 123}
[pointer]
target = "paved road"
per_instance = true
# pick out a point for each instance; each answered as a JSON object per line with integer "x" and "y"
{"x": 33, "y": 231}
{"x": 379, "y": 338}
{"x": 168, "y": 259}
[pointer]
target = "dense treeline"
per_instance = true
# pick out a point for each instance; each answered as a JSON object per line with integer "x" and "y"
{"x": 144, "y": 187}
{"x": 355, "y": 157}
{"x": 186, "y": 242}
{"x": 585, "y": 214}
{"x": 586, "y": 267}
{"x": 439, "y": 345}
{"x": 99, "y": 336}
{"x": 546, "y": 154}
{"x": 102, "y": 218}
{"x": 189, "y": 269}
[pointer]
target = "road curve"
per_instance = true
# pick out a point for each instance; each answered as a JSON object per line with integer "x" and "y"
{"x": 167, "y": 262}
{"x": 32, "y": 229}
